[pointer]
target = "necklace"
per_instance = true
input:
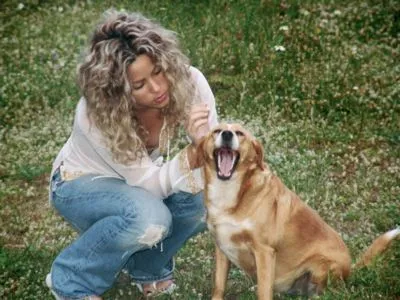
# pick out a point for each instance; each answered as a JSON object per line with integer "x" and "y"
{"x": 164, "y": 142}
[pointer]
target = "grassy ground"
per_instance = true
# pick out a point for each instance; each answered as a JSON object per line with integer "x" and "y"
{"x": 316, "y": 81}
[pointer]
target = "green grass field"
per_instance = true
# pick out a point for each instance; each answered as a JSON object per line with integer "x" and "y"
{"x": 318, "y": 82}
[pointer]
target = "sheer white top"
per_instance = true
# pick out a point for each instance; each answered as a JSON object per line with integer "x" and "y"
{"x": 85, "y": 153}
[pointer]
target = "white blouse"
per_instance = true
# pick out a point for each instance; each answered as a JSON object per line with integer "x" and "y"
{"x": 85, "y": 153}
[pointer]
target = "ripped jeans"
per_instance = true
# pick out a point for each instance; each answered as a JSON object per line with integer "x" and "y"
{"x": 120, "y": 227}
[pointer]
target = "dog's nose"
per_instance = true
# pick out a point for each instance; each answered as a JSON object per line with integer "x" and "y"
{"x": 227, "y": 135}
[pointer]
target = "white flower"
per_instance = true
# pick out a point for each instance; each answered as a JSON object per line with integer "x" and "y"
{"x": 337, "y": 12}
{"x": 284, "y": 28}
{"x": 304, "y": 12}
{"x": 20, "y": 6}
{"x": 252, "y": 288}
{"x": 279, "y": 48}
{"x": 251, "y": 47}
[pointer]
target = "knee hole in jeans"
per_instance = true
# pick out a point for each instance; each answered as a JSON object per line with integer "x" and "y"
{"x": 152, "y": 235}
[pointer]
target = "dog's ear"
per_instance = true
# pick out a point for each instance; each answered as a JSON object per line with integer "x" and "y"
{"x": 258, "y": 148}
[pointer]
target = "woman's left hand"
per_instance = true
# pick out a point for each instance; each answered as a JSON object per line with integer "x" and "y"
{"x": 197, "y": 124}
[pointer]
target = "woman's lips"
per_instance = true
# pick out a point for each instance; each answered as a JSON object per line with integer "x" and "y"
{"x": 161, "y": 98}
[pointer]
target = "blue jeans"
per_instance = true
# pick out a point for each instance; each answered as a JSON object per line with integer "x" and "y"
{"x": 120, "y": 227}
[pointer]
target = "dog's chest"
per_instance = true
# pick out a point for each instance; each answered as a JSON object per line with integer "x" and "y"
{"x": 230, "y": 235}
{"x": 223, "y": 194}
{"x": 228, "y": 231}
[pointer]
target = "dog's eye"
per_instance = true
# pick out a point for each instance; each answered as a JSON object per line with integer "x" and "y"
{"x": 239, "y": 133}
{"x": 216, "y": 131}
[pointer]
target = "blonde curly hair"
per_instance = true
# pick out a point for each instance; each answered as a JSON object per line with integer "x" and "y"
{"x": 104, "y": 82}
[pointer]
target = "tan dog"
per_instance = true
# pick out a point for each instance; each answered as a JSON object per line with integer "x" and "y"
{"x": 263, "y": 227}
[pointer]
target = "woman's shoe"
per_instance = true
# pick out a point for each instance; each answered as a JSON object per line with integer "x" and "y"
{"x": 154, "y": 290}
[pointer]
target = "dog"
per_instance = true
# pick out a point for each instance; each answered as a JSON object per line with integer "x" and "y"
{"x": 263, "y": 227}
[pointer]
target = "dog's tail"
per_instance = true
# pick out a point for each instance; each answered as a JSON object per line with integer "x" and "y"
{"x": 378, "y": 246}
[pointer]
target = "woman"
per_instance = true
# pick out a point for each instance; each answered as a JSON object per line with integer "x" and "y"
{"x": 133, "y": 211}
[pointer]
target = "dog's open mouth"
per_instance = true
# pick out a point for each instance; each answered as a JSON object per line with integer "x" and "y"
{"x": 226, "y": 160}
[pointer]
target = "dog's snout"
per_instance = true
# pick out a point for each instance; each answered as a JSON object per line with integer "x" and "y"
{"x": 227, "y": 135}
{"x": 227, "y": 138}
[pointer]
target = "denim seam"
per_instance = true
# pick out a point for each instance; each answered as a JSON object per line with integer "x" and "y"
{"x": 76, "y": 227}
{"x": 150, "y": 279}
{"x": 69, "y": 297}
{"x": 92, "y": 251}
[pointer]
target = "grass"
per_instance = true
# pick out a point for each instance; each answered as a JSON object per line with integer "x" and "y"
{"x": 316, "y": 81}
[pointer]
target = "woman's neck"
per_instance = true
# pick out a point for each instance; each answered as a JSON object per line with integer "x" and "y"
{"x": 148, "y": 116}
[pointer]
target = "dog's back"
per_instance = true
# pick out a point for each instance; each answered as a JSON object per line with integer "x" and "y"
{"x": 269, "y": 213}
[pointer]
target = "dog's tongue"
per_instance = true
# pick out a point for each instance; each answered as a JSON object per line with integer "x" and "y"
{"x": 225, "y": 162}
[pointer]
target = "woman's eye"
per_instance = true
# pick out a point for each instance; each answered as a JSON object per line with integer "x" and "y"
{"x": 157, "y": 70}
{"x": 216, "y": 131}
{"x": 138, "y": 86}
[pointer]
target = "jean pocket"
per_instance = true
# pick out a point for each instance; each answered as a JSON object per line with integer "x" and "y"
{"x": 55, "y": 183}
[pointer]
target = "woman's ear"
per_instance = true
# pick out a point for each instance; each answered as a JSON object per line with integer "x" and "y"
{"x": 259, "y": 157}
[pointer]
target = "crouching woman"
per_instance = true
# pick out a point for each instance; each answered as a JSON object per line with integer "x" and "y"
{"x": 114, "y": 181}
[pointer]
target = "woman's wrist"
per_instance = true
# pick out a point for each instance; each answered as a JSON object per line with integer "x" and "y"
{"x": 192, "y": 159}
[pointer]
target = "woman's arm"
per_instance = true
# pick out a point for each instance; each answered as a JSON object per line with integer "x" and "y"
{"x": 170, "y": 177}
{"x": 205, "y": 95}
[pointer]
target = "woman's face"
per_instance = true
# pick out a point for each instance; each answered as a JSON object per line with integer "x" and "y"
{"x": 150, "y": 87}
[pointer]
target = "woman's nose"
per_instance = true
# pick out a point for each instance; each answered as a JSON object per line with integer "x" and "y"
{"x": 154, "y": 85}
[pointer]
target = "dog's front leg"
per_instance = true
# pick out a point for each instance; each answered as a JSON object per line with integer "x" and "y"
{"x": 265, "y": 261}
{"x": 221, "y": 274}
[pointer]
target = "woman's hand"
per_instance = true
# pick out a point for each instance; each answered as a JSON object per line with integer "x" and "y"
{"x": 197, "y": 124}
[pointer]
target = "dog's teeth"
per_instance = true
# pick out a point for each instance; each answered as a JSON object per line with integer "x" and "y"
{"x": 233, "y": 161}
